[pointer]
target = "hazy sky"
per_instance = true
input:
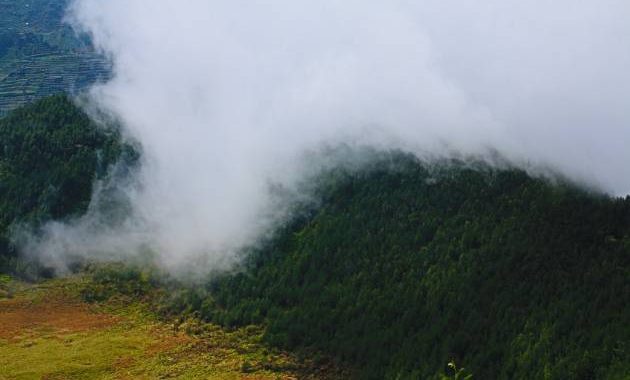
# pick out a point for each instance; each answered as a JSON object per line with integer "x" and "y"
{"x": 226, "y": 96}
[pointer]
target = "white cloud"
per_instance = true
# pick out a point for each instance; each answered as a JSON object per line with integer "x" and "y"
{"x": 226, "y": 96}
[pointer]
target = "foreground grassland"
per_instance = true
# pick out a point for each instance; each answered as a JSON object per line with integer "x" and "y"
{"x": 47, "y": 332}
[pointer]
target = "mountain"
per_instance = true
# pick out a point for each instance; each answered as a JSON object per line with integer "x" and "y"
{"x": 398, "y": 267}
{"x": 406, "y": 265}
{"x": 40, "y": 55}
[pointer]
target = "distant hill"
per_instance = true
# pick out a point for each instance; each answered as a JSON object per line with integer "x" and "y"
{"x": 41, "y": 56}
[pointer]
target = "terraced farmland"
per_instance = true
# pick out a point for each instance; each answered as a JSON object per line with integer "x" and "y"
{"x": 40, "y": 55}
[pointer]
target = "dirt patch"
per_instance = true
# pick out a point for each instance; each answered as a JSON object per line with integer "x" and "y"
{"x": 19, "y": 316}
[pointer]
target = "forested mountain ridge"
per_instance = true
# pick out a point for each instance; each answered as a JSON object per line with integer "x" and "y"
{"x": 405, "y": 266}
{"x": 399, "y": 267}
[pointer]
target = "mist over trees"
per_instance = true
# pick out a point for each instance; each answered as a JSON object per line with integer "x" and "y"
{"x": 51, "y": 154}
{"x": 226, "y": 98}
{"x": 395, "y": 185}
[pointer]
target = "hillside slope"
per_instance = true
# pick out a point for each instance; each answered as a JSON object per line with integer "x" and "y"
{"x": 400, "y": 266}
{"x": 405, "y": 266}
{"x": 50, "y": 155}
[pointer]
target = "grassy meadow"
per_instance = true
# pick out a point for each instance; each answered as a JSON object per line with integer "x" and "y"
{"x": 48, "y": 332}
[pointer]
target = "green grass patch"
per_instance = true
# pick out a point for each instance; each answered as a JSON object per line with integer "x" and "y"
{"x": 88, "y": 355}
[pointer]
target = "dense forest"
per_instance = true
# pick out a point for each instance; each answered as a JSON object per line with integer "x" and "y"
{"x": 398, "y": 268}
{"x": 50, "y": 156}
{"x": 405, "y": 266}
